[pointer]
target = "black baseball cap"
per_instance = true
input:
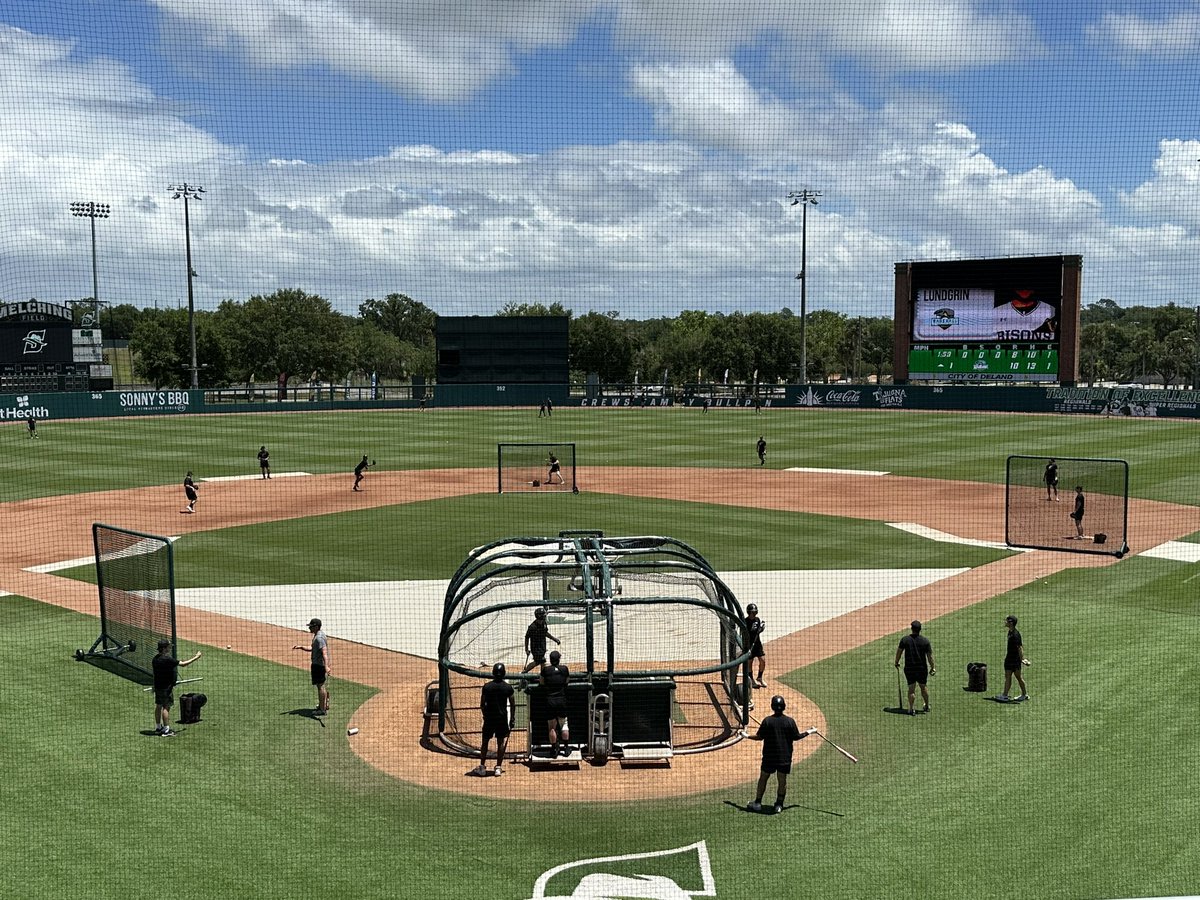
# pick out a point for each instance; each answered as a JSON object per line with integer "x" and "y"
{"x": 1012, "y": 620}
{"x": 316, "y": 622}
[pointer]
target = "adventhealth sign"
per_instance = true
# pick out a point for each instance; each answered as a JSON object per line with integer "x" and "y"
{"x": 100, "y": 404}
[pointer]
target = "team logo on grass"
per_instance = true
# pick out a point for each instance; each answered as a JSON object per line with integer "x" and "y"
{"x": 679, "y": 874}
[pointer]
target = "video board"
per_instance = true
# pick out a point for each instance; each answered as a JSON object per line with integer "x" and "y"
{"x": 988, "y": 320}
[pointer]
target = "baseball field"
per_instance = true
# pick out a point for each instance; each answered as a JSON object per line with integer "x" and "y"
{"x": 1087, "y": 790}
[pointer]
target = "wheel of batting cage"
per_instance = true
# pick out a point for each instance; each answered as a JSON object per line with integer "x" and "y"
{"x": 600, "y": 749}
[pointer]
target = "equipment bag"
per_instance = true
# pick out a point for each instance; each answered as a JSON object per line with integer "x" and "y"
{"x": 976, "y": 677}
{"x": 189, "y": 708}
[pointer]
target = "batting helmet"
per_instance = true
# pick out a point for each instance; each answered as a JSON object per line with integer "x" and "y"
{"x": 778, "y": 703}
{"x": 752, "y": 608}
{"x": 540, "y": 612}
{"x": 498, "y": 671}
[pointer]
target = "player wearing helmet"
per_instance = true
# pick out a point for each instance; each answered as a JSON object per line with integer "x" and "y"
{"x": 499, "y": 709}
{"x": 535, "y": 640}
{"x": 756, "y": 626}
{"x": 778, "y": 733}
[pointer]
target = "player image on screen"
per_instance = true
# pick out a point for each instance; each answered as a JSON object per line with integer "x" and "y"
{"x": 978, "y": 314}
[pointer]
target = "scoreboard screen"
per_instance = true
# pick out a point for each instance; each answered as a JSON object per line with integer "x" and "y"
{"x": 982, "y": 363}
{"x": 987, "y": 320}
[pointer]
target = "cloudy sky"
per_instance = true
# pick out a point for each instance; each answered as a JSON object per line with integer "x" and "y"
{"x": 630, "y": 155}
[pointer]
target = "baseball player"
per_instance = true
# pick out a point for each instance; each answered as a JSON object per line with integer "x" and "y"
{"x": 359, "y": 470}
{"x": 1077, "y": 514}
{"x": 918, "y": 664}
{"x": 761, "y": 448}
{"x": 1014, "y": 659}
{"x": 499, "y": 709}
{"x": 1050, "y": 476}
{"x": 554, "y": 679}
{"x": 191, "y": 492}
{"x": 756, "y": 627}
{"x": 535, "y": 640}
{"x": 778, "y": 734}
{"x": 264, "y": 461}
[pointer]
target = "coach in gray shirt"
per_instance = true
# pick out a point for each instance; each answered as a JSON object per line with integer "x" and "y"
{"x": 319, "y": 648}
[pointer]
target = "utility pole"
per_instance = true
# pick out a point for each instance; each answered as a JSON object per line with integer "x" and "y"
{"x": 189, "y": 192}
{"x": 804, "y": 198}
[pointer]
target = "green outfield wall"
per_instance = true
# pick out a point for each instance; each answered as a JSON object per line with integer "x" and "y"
{"x": 1136, "y": 402}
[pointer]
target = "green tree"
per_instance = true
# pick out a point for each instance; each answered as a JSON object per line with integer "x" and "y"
{"x": 409, "y": 320}
{"x": 600, "y": 344}
{"x": 289, "y": 332}
{"x": 512, "y": 308}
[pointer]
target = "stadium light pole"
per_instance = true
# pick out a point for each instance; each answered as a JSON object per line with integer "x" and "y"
{"x": 189, "y": 192}
{"x": 91, "y": 210}
{"x": 804, "y": 198}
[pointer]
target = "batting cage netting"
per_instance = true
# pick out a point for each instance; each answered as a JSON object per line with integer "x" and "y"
{"x": 135, "y": 576}
{"x": 1067, "y": 503}
{"x": 535, "y": 467}
{"x": 655, "y": 642}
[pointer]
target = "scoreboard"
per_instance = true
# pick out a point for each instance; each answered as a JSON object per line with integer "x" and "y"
{"x": 996, "y": 362}
{"x": 1014, "y": 319}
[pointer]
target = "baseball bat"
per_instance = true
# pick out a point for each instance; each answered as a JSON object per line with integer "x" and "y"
{"x": 899, "y": 691}
{"x": 185, "y": 681}
{"x": 840, "y": 750}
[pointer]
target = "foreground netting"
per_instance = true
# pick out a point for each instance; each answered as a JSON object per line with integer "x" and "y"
{"x": 656, "y": 644}
{"x": 135, "y": 575}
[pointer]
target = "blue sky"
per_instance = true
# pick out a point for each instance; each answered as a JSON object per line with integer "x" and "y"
{"x": 629, "y": 155}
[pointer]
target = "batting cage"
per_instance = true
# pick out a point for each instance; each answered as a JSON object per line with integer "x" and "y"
{"x": 535, "y": 467}
{"x": 1067, "y": 503}
{"x": 135, "y": 576}
{"x": 656, "y": 645}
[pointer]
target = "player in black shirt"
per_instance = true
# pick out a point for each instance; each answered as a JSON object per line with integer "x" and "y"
{"x": 31, "y": 424}
{"x": 554, "y": 679}
{"x": 264, "y": 461}
{"x": 778, "y": 733}
{"x": 535, "y": 640}
{"x": 358, "y": 472}
{"x": 555, "y": 469}
{"x": 1014, "y": 659}
{"x": 916, "y": 650}
{"x": 499, "y": 709}
{"x": 761, "y": 447}
{"x": 1050, "y": 476}
{"x": 189, "y": 491}
{"x": 756, "y": 627}
{"x": 166, "y": 673}
{"x": 1077, "y": 515}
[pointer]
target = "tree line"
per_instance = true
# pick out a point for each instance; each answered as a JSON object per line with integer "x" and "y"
{"x": 295, "y": 334}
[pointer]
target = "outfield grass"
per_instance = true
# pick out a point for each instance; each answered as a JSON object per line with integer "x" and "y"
{"x": 107, "y": 454}
{"x": 1088, "y": 790}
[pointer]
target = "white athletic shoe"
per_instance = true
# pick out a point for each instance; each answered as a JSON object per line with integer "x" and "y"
{"x": 1023, "y": 697}
{"x": 1003, "y": 698}
{"x": 754, "y": 806}
{"x": 499, "y": 770}
{"x": 778, "y": 807}
{"x": 480, "y": 771}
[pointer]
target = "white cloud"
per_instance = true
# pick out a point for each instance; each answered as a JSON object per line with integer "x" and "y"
{"x": 647, "y": 227}
{"x": 1134, "y": 35}
{"x": 444, "y": 52}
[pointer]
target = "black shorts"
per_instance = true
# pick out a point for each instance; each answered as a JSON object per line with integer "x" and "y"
{"x": 916, "y": 676}
{"x": 318, "y": 675}
{"x": 1010, "y": 666}
{"x": 756, "y": 650}
{"x": 164, "y": 697}
{"x": 190, "y": 492}
{"x": 769, "y": 766}
{"x": 556, "y": 709}
{"x": 538, "y": 656}
{"x": 498, "y": 730}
